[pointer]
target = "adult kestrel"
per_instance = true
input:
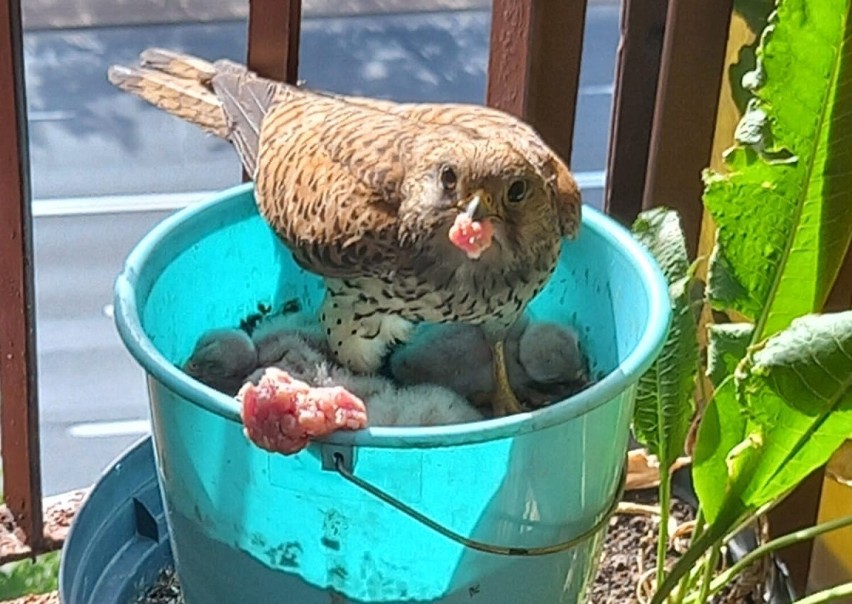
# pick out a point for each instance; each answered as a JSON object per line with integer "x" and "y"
{"x": 410, "y": 212}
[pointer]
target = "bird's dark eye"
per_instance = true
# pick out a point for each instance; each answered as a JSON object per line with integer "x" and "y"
{"x": 448, "y": 178}
{"x": 517, "y": 191}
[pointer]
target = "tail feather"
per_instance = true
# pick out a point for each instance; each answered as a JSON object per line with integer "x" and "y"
{"x": 186, "y": 99}
{"x": 245, "y": 100}
{"x": 223, "y": 98}
{"x": 178, "y": 64}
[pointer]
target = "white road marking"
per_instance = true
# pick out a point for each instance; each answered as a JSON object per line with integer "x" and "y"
{"x": 114, "y": 204}
{"x": 132, "y": 427}
{"x": 597, "y": 90}
{"x": 50, "y": 116}
{"x": 119, "y": 204}
{"x": 591, "y": 180}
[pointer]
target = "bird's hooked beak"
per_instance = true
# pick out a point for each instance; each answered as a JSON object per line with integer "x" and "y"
{"x": 478, "y": 205}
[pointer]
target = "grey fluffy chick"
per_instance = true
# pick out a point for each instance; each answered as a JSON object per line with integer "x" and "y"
{"x": 387, "y": 405}
{"x": 553, "y": 363}
{"x": 544, "y": 361}
{"x": 272, "y": 335}
{"x": 420, "y": 405}
{"x": 222, "y": 358}
{"x": 227, "y": 358}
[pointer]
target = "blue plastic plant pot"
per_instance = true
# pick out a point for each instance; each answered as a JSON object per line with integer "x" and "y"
{"x": 503, "y": 511}
{"x": 119, "y": 542}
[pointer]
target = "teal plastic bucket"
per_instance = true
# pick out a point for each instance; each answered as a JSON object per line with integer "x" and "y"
{"x": 464, "y": 513}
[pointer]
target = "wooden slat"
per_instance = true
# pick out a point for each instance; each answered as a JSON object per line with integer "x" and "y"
{"x": 18, "y": 402}
{"x": 273, "y": 38}
{"x": 690, "y": 79}
{"x": 637, "y": 72}
{"x": 534, "y": 65}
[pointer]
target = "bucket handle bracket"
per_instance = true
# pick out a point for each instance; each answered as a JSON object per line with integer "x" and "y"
{"x": 338, "y": 460}
{"x": 336, "y": 456}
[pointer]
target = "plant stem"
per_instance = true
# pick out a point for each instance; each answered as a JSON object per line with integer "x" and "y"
{"x": 710, "y": 563}
{"x": 828, "y": 595}
{"x": 687, "y": 581}
{"x": 776, "y": 544}
{"x": 709, "y": 538}
{"x": 686, "y": 584}
{"x": 663, "y": 535}
{"x": 781, "y": 542}
{"x": 700, "y": 523}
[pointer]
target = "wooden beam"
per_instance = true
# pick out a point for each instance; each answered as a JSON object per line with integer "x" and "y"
{"x": 637, "y": 71}
{"x": 534, "y": 65}
{"x": 691, "y": 71}
{"x": 274, "y": 28}
{"x": 18, "y": 400}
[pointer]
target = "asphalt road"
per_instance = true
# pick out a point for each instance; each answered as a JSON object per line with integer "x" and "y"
{"x": 88, "y": 141}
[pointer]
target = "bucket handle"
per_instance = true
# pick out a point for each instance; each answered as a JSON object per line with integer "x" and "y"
{"x": 343, "y": 467}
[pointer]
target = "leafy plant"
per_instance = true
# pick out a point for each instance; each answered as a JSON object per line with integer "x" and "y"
{"x": 781, "y": 400}
{"x": 25, "y": 577}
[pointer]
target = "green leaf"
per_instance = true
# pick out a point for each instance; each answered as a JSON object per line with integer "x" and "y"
{"x": 722, "y": 433}
{"x": 664, "y": 400}
{"x": 798, "y": 391}
{"x": 788, "y": 408}
{"x": 18, "y": 579}
{"x": 781, "y": 206}
{"x": 659, "y": 230}
{"x": 727, "y": 344}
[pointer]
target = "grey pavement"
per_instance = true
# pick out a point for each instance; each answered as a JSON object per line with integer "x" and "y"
{"x": 88, "y": 141}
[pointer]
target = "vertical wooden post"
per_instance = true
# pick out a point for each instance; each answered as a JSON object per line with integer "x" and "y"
{"x": 534, "y": 65}
{"x": 18, "y": 400}
{"x": 637, "y": 71}
{"x": 273, "y": 38}
{"x": 691, "y": 72}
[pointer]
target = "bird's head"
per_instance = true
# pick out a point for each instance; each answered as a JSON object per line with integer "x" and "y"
{"x": 492, "y": 200}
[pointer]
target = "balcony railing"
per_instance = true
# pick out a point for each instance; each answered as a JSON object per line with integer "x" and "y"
{"x": 664, "y": 115}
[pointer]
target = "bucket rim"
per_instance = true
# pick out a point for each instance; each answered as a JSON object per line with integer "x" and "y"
{"x": 617, "y": 381}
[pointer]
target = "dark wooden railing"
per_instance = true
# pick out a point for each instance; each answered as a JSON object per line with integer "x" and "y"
{"x": 668, "y": 73}
{"x": 18, "y": 397}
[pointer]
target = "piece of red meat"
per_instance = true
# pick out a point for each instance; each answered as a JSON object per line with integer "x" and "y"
{"x": 282, "y": 414}
{"x": 471, "y": 236}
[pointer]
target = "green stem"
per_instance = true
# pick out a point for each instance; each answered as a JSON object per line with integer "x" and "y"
{"x": 700, "y": 523}
{"x": 663, "y": 536}
{"x": 688, "y": 580}
{"x": 687, "y": 584}
{"x": 776, "y": 544}
{"x": 828, "y": 595}
{"x": 709, "y": 538}
{"x": 710, "y": 564}
{"x": 682, "y": 589}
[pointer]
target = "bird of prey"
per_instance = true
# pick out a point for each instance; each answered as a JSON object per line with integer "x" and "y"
{"x": 409, "y": 212}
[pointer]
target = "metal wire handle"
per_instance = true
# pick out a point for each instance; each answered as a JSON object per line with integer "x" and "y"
{"x": 340, "y": 465}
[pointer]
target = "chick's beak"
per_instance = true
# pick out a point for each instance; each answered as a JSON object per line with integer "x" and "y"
{"x": 479, "y": 205}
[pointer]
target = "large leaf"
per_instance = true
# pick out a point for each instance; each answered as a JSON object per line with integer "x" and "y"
{"x": 782, "y": 204}
{"x": 664, "y": 401}
{"x": 721, "y": 434}
{"x": 798, "y": 391}
{"x": 788, "y": 408}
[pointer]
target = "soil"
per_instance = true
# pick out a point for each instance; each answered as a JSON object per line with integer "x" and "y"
{"x": 630, "y": 555}
{"x": 165, "y": 591}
